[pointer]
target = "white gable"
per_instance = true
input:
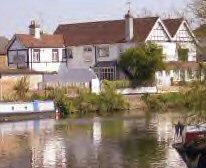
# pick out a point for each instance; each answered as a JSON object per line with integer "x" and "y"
{"x": 183, "y": 34}
{"x": 16, "y": 45}
{"x": 158, "y": 33}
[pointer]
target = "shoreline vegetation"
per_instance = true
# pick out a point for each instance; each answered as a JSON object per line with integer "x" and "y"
{"x": 191, "y": 101}
{"x": 73, "y": 101}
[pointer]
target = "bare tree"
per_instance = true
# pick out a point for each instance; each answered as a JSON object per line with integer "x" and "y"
{"x": 144, "y": 12}
{"x": 198, "y": 7}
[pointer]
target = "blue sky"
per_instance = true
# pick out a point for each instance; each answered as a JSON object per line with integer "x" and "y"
{"x": 17, "y": 14}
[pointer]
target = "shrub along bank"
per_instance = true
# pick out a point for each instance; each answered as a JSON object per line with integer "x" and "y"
{"x": 87, "y": 102}
{"x": 81, "y": 101}
{"x": 193, "y": 100}
{"x": 165, "y": 101}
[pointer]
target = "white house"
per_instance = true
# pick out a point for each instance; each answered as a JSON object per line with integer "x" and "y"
{"x": 37, "y": 51}
{"x": 45, "y": 53}
{"x": 99, "y": 45}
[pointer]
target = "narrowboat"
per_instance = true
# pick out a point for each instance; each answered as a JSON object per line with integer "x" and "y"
{"x": 191, "y": 144}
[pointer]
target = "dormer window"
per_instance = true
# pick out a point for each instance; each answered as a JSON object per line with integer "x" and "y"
{"x": 36, "y": 55}
{"x": 55, "y": 55}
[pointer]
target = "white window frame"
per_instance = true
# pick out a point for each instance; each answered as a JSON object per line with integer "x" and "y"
{"x": 103, "y": 51}
{"x": 55, "y": 55}
{"x": 36, "y": 55}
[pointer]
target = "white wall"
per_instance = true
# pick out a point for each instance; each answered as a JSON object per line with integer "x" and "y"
{"x": 169, "y": 50}
{"x": 95, "y": 86}
{"x": 80, "y": 60}
{"x": 46, "y": 63}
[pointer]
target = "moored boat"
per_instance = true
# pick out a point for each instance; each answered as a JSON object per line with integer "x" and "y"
{"x": 26, "y": 110}
{"x": 192, "y": 147}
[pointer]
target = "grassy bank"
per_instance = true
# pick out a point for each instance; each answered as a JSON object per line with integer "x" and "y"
{"x": 73, "y": 100}
{"x": 192, "y": 99}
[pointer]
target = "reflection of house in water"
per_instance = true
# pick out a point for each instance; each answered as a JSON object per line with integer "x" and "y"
{"x": 164, "y": 128}
{"x": 49, "y": 151}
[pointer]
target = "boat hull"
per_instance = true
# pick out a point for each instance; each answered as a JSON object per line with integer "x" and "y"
{"x": 193, "y": 157}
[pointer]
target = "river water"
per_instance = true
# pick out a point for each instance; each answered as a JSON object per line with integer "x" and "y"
{"x": 140, "y": 141}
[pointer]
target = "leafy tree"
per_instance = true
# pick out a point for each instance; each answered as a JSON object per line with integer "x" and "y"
{"x": 22, "y": 87}
{"x": 140, "y": 63}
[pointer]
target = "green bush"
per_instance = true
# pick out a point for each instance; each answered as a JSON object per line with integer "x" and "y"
{"x": 196, "y": 99}
{"x": 107, "y": 101}
{"x": 162, "y": 102}
{"x": 111, "y": 101}
{"x": 119, "y": 84}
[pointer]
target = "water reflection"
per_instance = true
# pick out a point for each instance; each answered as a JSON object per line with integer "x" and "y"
{"x": 115, "y": 142}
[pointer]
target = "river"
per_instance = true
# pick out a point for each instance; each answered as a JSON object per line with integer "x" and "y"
{"x": 140, "y": 141}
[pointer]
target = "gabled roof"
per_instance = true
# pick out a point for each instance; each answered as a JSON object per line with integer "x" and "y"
{"x": 173, "y": 25}
{"x": 45, "y": 41}
{"x": 104, "y": 32}
{"x": 3, "y": 44}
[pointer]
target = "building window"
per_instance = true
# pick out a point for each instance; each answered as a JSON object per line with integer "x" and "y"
{"x": 87, "y": 55}
{"x": 183, "y": 54}
{"x": 87, "y": 49}
{"x": 106, "y": 73}
{"x": 36, "y": 55}
{"x": 64, "y": 55}
{"x": 69, "y": 53}
{"x": 103, "y": 51}
{"x": 55, "y": 55}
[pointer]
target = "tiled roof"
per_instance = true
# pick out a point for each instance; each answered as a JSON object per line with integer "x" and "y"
{"x": 45, "y": 40}
{"x": 3, "y": 44}
{"x": 71, "y": 75}
{"x": 173, "y": 25}
{"x": 104, "y": 32}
